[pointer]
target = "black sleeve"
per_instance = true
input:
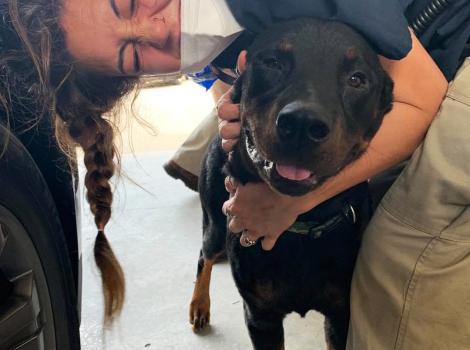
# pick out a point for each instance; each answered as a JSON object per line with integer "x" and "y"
{"x": 382, "y": 22}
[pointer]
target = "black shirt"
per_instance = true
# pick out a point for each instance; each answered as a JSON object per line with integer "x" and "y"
{"x": 447, "y": 38}
{"x": 383, "y": 22}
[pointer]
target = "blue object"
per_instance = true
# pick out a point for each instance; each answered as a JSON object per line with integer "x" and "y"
{"x": 205, "y": 78}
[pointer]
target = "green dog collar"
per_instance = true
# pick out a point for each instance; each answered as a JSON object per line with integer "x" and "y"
{"x": 316, "y": 229}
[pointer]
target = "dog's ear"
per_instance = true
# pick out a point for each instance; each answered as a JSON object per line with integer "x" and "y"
{"x": 237, "y": 89}
{"x": 386, "y": 97}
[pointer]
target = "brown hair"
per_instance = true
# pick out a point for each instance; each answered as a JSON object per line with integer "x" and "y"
{"x": 41, "y": 80}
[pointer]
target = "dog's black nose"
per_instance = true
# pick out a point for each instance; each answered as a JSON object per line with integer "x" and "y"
{"x": 295, "y": 121}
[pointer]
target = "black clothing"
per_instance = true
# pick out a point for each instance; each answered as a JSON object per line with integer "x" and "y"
{"x": 447, "y": 38}
{"x": 383, "y": 22}
{"x": 228, "y": 58}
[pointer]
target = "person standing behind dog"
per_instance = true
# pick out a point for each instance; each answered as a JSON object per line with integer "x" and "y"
{"x": 411, "y": 283}
{"x": 410, "y": 286}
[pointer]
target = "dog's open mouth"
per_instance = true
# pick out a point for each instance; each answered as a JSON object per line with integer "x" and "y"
{"x": 286, "y": 178}
{"x": 291, "y": 172}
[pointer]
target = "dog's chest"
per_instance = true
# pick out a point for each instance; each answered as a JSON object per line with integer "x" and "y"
{"x": 301, "y": 273}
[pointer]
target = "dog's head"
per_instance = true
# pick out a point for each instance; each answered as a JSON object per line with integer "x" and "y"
{"x": 312, "y": 96}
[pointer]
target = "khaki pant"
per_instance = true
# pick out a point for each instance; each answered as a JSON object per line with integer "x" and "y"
{"x": 189, "y": 156}
{"x": 411, "y": 285}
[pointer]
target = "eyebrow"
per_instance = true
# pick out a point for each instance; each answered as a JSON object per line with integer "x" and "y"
{"x": 137, "y": 64}
{"x": 133, "y": 7}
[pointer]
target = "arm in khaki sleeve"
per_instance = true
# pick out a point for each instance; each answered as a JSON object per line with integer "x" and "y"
{"x": 419, "y": 90}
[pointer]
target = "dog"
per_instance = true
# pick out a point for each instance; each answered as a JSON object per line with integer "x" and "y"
{"x": 312, "y": 97}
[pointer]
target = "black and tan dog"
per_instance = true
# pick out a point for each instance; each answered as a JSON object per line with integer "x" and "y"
{"x": 312, "y": 97}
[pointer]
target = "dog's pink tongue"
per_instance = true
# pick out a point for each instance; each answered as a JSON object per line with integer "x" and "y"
{"x": 292, "y": 172}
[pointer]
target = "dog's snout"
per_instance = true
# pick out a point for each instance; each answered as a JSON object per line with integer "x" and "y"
{"x": 296, "y": 121}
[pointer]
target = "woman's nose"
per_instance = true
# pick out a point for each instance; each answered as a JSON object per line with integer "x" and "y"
{"x": 152, "y": 30}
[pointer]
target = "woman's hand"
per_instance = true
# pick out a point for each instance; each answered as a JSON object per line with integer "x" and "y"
{"x": 229, "y": 121}
{"x": 260, "y": 212}
{"x": 229, "y": 113}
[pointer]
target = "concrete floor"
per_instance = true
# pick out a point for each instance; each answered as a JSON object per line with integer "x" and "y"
{"x": 156, "y": 233}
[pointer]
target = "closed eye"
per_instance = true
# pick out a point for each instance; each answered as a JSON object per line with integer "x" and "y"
{"x": 124, "y": 56}
{"x": 122, "y": 11}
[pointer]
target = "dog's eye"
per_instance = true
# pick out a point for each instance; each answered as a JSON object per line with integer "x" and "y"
{"x": 357, "y": 80}
{"x": 272, "y": 63}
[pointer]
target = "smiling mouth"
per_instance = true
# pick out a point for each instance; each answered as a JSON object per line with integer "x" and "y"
{"x": 277, "y": 171}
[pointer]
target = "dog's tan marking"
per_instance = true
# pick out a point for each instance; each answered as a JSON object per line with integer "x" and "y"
{"x": 351, "y": 53}
{"x": 199, "y": 309}
{"x": 285, "y": 46}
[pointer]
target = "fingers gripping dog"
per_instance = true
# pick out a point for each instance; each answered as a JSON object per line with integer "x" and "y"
{"x": 312, "y": 97}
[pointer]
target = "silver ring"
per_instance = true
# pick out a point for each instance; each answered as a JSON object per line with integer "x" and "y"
{"x": 245, "y": 241}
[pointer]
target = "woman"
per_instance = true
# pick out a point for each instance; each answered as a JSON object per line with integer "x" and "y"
{"x": 39, "y": 79}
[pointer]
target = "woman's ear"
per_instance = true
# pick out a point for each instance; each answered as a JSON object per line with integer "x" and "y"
{"x": 241, "y": 61}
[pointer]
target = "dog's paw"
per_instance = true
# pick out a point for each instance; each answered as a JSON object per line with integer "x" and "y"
{"x": 199, "y": 313}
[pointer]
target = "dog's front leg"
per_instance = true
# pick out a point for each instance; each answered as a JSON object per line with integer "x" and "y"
{"x": 199, "y": 309}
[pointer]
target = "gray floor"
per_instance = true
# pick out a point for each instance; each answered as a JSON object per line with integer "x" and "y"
{"x": 155, "y": 231}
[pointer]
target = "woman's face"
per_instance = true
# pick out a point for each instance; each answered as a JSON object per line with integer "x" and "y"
{"x": 124, "y": 37}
